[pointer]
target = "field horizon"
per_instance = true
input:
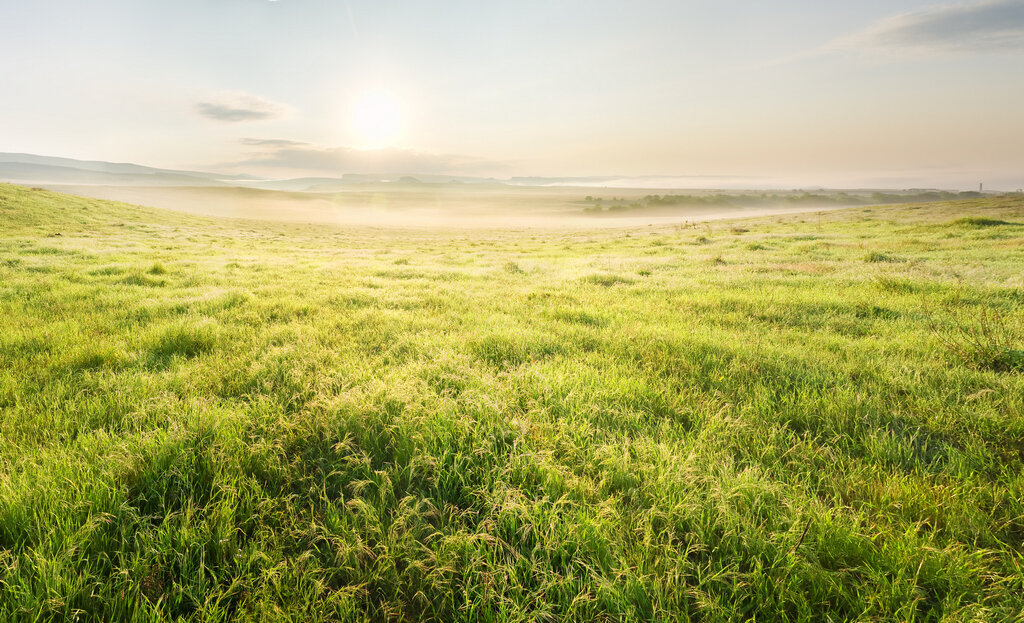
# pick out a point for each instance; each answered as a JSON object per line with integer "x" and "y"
{"x": 448, "y": 201}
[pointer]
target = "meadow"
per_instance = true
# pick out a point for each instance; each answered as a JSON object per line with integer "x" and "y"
{"x": 805, "y": 417}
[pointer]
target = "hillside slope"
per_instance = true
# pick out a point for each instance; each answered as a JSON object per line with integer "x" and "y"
{"x": 32, "y": 168}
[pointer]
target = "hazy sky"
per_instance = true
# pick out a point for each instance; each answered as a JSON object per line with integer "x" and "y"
{"x": 894, "y": 93}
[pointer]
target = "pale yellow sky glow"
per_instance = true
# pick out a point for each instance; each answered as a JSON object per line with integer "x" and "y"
{"x": 897, "y": 93}
{"x": 376, "y": 119}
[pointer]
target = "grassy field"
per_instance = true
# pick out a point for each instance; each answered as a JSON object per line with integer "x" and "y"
{"x": 808, "y": 417}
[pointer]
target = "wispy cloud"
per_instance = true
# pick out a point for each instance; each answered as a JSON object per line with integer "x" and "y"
{"x": 291, "y": 155}
{"x": 236, "y": 106}
{"x": 272, "y": 142}
{"x": 990, "y": 26}
{"x": 964, "y": 28}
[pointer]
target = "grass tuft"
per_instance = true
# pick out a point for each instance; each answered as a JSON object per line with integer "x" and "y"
{"x": 896, "y": 285}
{"x": 985, "y": 338}
{"x": 187, "y": 339}
{"x": 514, "y": 349}
{"x": 608, "y": 280}
{"x": 579, "y": 316}
{"x": 877, "y": 256}
{"x": 978, "y": 221}
{"x": 138, "y": 279}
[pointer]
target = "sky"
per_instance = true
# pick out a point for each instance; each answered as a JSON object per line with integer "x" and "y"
{"x": 894, "y": 93}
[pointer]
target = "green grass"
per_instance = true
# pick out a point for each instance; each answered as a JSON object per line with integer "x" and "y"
{"x": 218, "y": 420}
{"x": 979, "y": 221}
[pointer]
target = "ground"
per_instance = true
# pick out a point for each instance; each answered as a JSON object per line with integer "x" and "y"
{"x": 803, "y": 417}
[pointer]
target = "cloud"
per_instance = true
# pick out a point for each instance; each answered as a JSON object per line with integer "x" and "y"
{"x": 309, "y": 157}
{"x": 990, "y": 26}
{"x": 272, "y": 142}
{"x": 236, "y": 106}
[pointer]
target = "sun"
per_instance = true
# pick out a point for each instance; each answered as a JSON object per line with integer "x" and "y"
{"x": 376, "y": 119}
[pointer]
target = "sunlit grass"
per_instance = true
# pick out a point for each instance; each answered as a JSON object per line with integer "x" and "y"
{"x": 787, "y": 418}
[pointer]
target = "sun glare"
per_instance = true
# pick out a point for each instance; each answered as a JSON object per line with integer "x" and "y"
{"x": 376, "y": 119}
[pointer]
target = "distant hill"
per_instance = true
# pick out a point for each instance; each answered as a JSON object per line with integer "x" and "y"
{"x": 49, "y": 171}
{"x": 33, "y": 169}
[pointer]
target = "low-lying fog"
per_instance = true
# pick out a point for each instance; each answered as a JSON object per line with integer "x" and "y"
{"x": 499, "y": 206}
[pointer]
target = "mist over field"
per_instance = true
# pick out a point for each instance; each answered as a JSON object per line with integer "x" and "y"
{"x": 511, "y": 312}
{"x": 437, "y": 200}
{"x": 441, "y": 208}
